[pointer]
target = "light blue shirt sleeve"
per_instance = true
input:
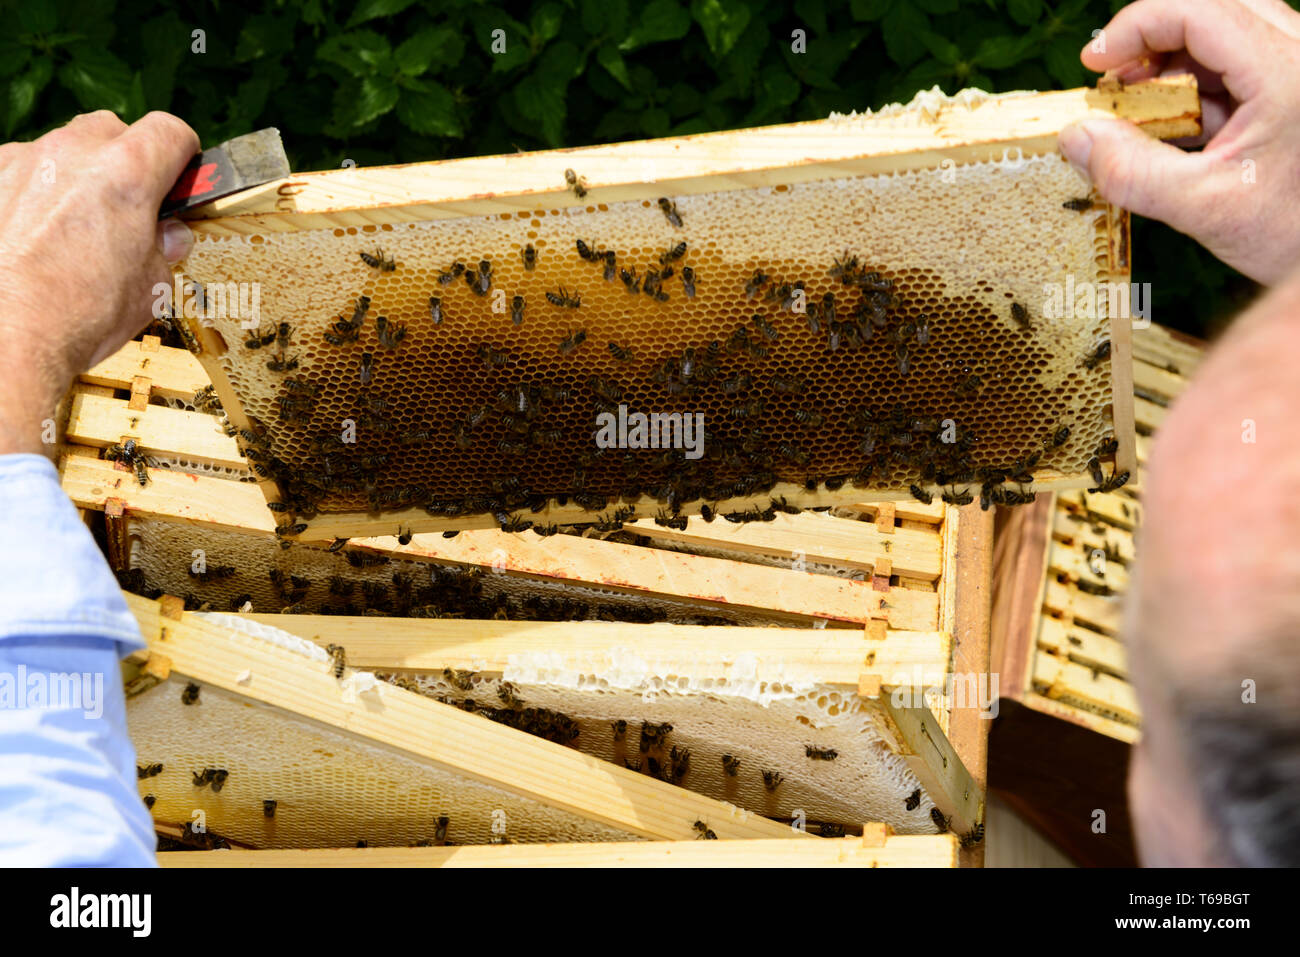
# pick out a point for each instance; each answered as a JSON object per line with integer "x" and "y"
{"x": 68, "y": 795}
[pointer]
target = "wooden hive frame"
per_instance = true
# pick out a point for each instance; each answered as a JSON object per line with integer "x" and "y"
{"x": 897, "y": 541}
{"x": 371, "y": 203}
{"x": 1056, "y": 642}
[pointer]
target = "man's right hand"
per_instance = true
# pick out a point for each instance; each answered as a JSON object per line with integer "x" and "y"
{"x": 1240, "y": 196}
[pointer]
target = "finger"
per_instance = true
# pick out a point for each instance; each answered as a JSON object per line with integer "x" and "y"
{"x": 174, "y": 240}
{"x": 99, "y": 126}
{"x": 1136, "y": 171}
{"x": 1221, "y": 35}
{"x": 151, "y": 154}
{"x": 1277, "y": 13}
{"x": 1207, "y": 81}
{"x": 137, "y": 309}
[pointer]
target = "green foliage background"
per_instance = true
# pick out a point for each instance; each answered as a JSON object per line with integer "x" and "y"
{"x": 389, "y": 81}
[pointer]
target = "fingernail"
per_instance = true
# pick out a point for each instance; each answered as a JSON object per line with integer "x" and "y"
{"x": 1076, "y": 145}
{"x": 177, "y": 240}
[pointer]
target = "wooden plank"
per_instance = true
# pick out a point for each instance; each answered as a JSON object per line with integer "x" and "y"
{"x": 1082, "y": 534}
{"x": 1112, "y": 507}
{"x": 906, "y": 509}
{"x": 710, "y": 582}
{"x": 918, "y": 738}
{"x": 1165, "y": 347}
{"x": 447, "y": 737}
{"x": 1128, "y": 733}
{"x": 1020, "y": 567}
{"x": 1097, "y": 690}
{"x": 1157, "y": 380}
{"x": 1083, "y": 646}
{"x": 1079, "y": 564}
{"x": 924, "y": 850}
{"x": 173, "y": 373}
{"x": 1102, "y": 614}
{"x": 769, "y": 156}
{"x": 817, "y": 538}
{"x": 827, "y": 656}
{"x": 99, "y": 421}
{"x": 1149, "y": 415}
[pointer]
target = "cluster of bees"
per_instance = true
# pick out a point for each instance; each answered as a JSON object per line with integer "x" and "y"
{"x": 745, "y": 457}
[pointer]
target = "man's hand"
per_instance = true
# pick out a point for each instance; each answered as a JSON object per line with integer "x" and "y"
{"x": 1240, "y": 196}
{"x": 80, "y": 250}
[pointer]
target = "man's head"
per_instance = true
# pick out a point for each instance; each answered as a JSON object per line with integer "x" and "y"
{"x": 1213, "y": 626}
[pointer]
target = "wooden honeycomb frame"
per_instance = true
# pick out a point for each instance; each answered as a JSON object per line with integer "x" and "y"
{"x": 1056, "y": 638}
{"x": 362, "y": 206}
{"x": 205, "y": 501}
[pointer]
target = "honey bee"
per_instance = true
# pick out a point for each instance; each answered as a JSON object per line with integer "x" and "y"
{"x": 282, "y": 364}
{"x": 390, "y": 334}
{"x": 576, "y": 183}
{"x": 268, "y": 807}
{"x": 1021, "y": 316}
{"x": 367, "y": 367}
{"x": 1098, "y": 355}
{"x": 587, "y": 253}
{"x": 258, "y": 340}
{"x": 621, "y": 353}
{"x": 669, "y": 210}
{"x": 564, "y": 298}
{"x": 807, "y": 417}
{"x": 820, "y": 754}
{"x": 673, "y": 254}
{"x": 1080, "y": 205}
{"x": 491, "y": 357}
{"x": 756, "y": 283}
{"x": 953, "y": 497}
{"x": 968, "y": 387}
{"x": 688, "y": 282}
{"x": 480, "y": 281}
{"x": 1057, "y": 438}
{"x": 191, "y": 694}
{"x": 620, "y": 729}
{"x": 920, "y": 494}
{"x": 768, "y": 330}
{"x": 922, "y": 330}
{"x": 975, "y": 836}
{"x": 730, "y": 765}
{"x": 939, "y": 820}
{"x": 705, "y": 833}
{"x": 913, "y": 800}
{"x": 378, "y": 261}
{"x": 790, "y": 386}
{"x": 461, "y": 680}
{"x": 404, "y": 536}
{"x": 572, "y": 341}
{"x": 611, "y": 262}
{"x": 448, "y": 277}
{"x": 148, "y": 770}
{"x": 630, "y": 280}
{"x": 218, "y": 779}
{"x": 1107, "y": 446}
{"x": 707, "y": 513}
{"x": 772, "y": 780}
{"x": 845, "y": 268}
{"x": 440, "y": 830}
{"x": 338, "y": 659}
{"x": 149, "y": 800}
{"x": 530, "y": 257}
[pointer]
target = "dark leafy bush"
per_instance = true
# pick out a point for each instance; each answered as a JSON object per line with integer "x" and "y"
{"x": 392, "y": 81}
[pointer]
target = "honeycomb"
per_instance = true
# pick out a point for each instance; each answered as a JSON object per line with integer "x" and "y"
{"x": 237, "y": 569}
{"x": 474, "y": 411}
{"x": 331, "y": 789}
{"x": 765, "y": 727}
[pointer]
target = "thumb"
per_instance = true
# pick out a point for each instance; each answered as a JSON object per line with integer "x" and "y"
{"x": 1135, "y": 170}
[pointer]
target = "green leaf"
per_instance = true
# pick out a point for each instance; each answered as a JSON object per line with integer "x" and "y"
{"x": 1062, "y": 61}
{"x": 870, "y": 9}
{"x": 1025, "y": 12}
{"x": 418, "y": 53}
{"x": 742, "y": 64}
{"x": 97, "y": 78}
{"x": 904, "y": 26}
{"x": 942, "y": 49}
{"x": 167, "y": 40}
{"x": 355, "y": 105}
{"x": 431, "y": 111}
{"x": 541, "y": 99}
{"x": 264, "y": 35}
{"x": 655, "y": 122}
{"x": 22, "y": 91}
{"x": 360, "y": 52}
{"x": 136, "y": 105}
{"x": 660, "y": 20}
{"x": 604, "y": 18}
{"x": 13, "y": 56}
{"x": 998, "y": 53}
{"x": 37, "y": 16}
{"x": 561, "y": 62}
{"x": 812, "y": 12}
{"x": 607, "y": 55}
{"x": 723, "y": 21}
{"x": 370, "y": 9}
{"x": 513, "y": 35}
{"x": 938, "y": 6}
{"x": 547, "y": 21}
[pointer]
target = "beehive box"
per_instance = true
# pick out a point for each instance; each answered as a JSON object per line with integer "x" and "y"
{"x": 846, "y": 324}
{"x": 1069, "y": 714}
{"x": 885, "y": 570}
